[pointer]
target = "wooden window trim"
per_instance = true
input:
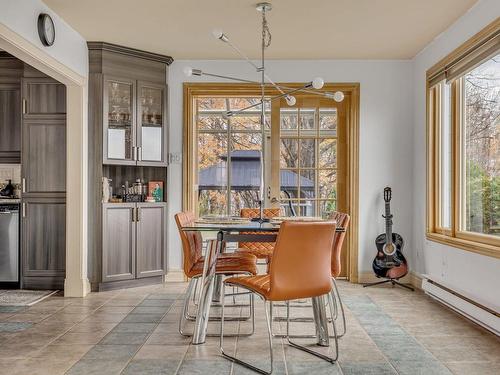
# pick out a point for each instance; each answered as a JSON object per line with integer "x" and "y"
{"x": 464, "y": 57}
{"x": 230, "y": 89}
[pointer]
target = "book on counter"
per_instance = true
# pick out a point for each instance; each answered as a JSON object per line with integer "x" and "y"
{"x": 155, "y": 190}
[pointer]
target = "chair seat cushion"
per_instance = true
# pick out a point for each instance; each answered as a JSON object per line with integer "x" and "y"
{"x": 259, "y": 284}
{"x": 228, "y": 263}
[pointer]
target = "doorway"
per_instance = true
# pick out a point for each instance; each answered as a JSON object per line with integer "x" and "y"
{"x": 76, "y": 282}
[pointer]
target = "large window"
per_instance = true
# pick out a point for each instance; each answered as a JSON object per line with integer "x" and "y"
{"x": 310, "y": 149}
{"x": 464, "y": 146}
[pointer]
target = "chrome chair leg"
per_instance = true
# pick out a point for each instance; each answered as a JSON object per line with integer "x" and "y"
{"x": 336, "y": 295}
{"x": 307, "y": 350}
{"x": 185, "y": 315}
{"x": 185, "y": 307}
{"x": 239, "y": 361}
{"x": 195, "y": 302}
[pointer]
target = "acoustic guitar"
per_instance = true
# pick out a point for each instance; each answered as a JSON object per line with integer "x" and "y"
{"x": 389, "y": 262}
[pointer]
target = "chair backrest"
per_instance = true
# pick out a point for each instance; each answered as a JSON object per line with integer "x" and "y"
{"x": 269, "y": 213}
{"x": 192, "y": 242}
{"x": 300, "y": 266}
{"x": 342, "y": 221}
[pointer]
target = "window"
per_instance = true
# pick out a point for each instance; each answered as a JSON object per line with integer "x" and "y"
{"x": 308, "y": 159}
{"x": 311, "y": 153}
{"x": 228, "y": 154}
{"x": 464, "y": 146}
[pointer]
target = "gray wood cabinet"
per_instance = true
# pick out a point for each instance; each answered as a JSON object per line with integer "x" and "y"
{"x": 44, "y": 155}
{"x": 134, "y": 122}
{"x": 43, "y": 242}
{"x": 151, "y": 229}
{"x": 44, "y": 97}
{"x": 128, "y": 135}
{"x": 119, "y": 242}
{"x": 43, "y": 172}
{"x": 134, "y": 240}
{"x": 10, "y": 123}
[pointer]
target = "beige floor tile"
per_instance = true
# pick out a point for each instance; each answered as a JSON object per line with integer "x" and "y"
{"x": 161, "y": 352}
{"x": 86, "y": 338}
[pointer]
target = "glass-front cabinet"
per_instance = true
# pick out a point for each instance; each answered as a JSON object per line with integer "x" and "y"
{"x": 134, "y": 123}
{"x": 151, "y": 133}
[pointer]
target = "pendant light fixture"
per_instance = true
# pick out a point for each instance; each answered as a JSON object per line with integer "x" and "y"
{"x": 265, "y": 82}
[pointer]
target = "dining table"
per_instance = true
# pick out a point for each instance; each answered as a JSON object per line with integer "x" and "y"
{"x": 228, "y": 231}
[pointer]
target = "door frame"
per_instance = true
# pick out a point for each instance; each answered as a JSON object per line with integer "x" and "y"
{"x": 76, "y": 283}
{"x": 189, "y": 158}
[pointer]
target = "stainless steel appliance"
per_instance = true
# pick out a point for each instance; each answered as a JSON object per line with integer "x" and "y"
{"x": 9, "y": 242}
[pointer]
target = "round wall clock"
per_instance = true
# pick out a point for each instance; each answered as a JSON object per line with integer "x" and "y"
{"x": 46, "y": 29}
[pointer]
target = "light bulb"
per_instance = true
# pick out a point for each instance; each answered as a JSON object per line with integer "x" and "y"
{"x": 188, "y": 71}
{"x": 219, "y": 34}
{"x": 338, "y": 96}
{"x": 290, "y": 100}
{"x": 318, "y": 83}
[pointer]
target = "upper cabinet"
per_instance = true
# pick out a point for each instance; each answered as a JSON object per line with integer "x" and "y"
{"x": 11, "y": 72}
{"x": 131, "y": 96}
{"x": 151, "y": 129}
{"x": 120, "y": 143}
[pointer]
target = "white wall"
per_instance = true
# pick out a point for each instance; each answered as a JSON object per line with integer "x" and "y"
{"x": 386, "y": 148}
{"x": 474, "y": 275}
{"x": 70, "y": 48}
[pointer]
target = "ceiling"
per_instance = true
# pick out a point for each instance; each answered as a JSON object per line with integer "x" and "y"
{"x": 313, "y": 29}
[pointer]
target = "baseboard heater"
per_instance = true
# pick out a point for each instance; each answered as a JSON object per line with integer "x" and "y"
{"x": 482, "y": 315}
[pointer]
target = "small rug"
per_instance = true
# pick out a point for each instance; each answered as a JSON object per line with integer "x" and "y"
{"x": 16, "y": 297}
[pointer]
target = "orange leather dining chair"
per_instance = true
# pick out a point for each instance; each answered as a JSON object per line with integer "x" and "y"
{"x": 227, "y": 263}
{"x": 300, "y": 268}
{"x": 342, "y": 220}
{"x": 262, "y": 250}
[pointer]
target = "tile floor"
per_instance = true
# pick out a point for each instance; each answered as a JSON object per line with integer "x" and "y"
{"x": 134, "y": 331}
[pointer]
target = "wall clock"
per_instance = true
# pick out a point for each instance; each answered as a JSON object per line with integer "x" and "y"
{"x": 46, "y": 29}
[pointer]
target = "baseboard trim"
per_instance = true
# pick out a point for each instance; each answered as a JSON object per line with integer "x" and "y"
{"x": 175, "y": 276}
{"x": 412, "y": 278}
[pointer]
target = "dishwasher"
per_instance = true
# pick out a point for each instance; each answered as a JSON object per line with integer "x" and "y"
{"x": 9, "y": 243}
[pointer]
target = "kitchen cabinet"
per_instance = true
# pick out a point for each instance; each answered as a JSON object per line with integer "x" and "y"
{"x": 134, "y": 240}
{"x": 10, "y": 123}
{"x": 44, "y": 155}
{"x": 151, "y": 224}
{"x": 119, "y": 239}
{"x": 134, "y": 126}
{"x": 43, "y": 243}
{"x": 43, "y": 174}
{"x": 128, "y": 137}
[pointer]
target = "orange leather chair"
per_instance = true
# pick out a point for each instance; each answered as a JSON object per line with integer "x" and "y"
{"x": 227, "y": 263}
{"x": 342, "y": 220}
{"x": 300, "y": 268}
{"x": 262, "y": 250}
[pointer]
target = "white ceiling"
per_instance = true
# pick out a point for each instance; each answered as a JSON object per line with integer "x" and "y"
{"x": 312, "y": 29}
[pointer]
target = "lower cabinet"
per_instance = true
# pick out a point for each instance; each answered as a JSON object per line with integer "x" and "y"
{"x": 43, "y": 243}
{"x": 134, "y": 240}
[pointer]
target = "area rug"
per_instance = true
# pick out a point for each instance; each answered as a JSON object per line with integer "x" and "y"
{"x": 23, "y": 297}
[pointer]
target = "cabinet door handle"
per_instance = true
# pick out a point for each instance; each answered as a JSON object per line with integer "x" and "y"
{"x": 137, "y": 214}
{"x": 134, "y": 153}
{"x": 139, "y": 153}
{"x": 133, "y": 214}
{"x": 24, "y": 209}
{"x": 23, "y": 185}
{"x": 24, "y": 105}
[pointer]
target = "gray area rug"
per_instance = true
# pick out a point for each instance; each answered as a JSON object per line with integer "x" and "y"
{"x": 23, "y": 297}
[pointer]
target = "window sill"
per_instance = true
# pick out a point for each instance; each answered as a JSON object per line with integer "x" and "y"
{"x": 472, "y": 246}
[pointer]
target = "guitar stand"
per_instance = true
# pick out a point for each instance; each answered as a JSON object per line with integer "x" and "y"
{"x": 392, "y": 281}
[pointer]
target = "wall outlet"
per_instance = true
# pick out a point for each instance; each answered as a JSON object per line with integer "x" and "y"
{"x": 175, "y": 157}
